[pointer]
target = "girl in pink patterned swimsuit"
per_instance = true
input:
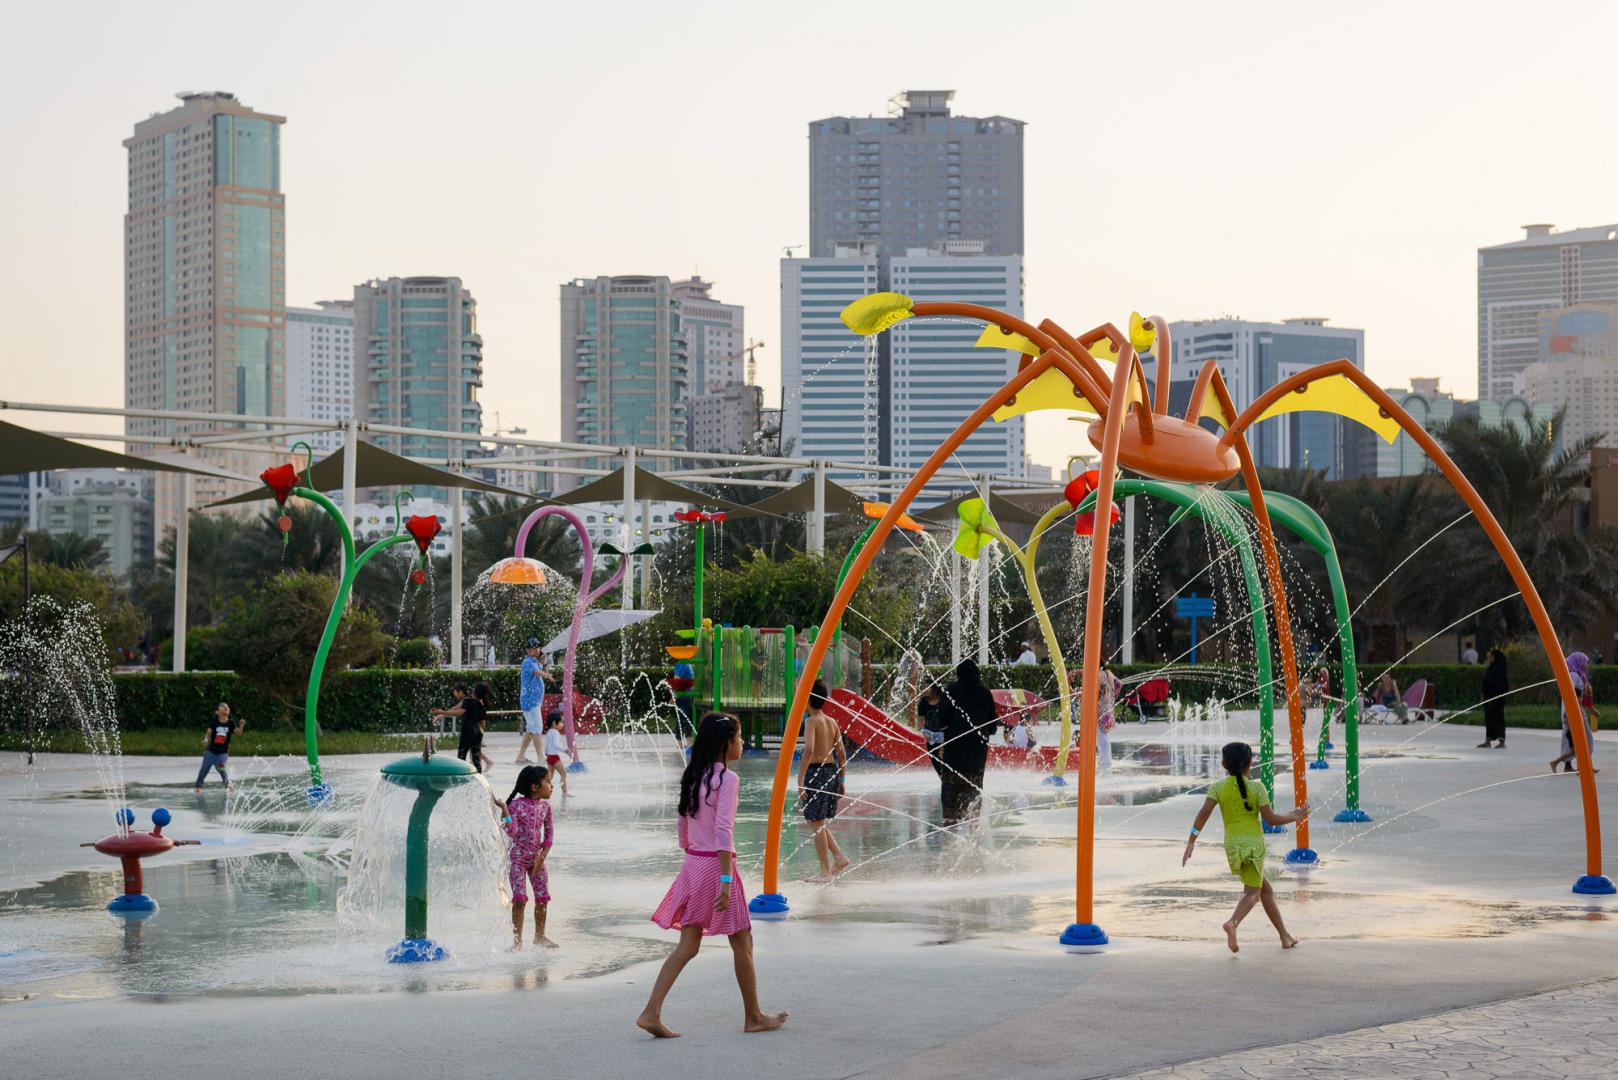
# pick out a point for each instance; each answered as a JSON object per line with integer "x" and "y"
{"x": 700, "y": 902}
{"x": 532, "y": 831}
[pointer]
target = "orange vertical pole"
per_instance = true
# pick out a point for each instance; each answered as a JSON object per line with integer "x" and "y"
{"x": 1593, "y": 881}
{"x": 1084, "y": 930}
{"x": 1301, "y": 852}
{"x": 771, "y": 900}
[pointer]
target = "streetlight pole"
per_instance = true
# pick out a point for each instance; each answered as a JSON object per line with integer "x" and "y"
{"x": 27, "y": 621}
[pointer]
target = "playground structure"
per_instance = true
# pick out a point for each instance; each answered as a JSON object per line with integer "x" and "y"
{"x": 282, "y": 480}
{"x": 521, "y": 570}
{"x": 429, "y": 777}
{"x": 130, "y": 847}
{"x": 1132, "y": 428}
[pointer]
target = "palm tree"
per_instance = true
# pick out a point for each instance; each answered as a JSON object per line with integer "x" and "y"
{"x": 1534, "y": 487}
{"x": 71, "y": 551}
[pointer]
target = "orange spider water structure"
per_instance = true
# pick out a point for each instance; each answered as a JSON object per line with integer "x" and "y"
{"x": 1099, "y": 376}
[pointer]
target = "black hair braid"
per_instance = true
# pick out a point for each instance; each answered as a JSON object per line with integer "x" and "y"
{"x": 1237, "y": 757}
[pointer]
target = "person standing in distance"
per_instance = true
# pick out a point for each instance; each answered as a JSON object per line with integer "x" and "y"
{"x": 531, "y": 701}
{"x": 216, "y": 745}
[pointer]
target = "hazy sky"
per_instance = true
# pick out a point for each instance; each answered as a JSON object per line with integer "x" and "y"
{"x": 1190, "y": 160}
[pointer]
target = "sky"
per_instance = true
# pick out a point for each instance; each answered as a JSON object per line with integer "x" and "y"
{"x": 1264, "y": 160}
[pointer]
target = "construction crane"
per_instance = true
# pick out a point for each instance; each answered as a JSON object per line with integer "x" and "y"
{"x": 752, "y": 363}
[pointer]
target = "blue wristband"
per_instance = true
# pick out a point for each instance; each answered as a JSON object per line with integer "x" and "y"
{"x": 725, "y": 879}
{"x": 1195, "y": 830}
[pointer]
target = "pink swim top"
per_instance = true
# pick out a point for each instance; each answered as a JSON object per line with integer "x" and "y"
{"x": 713, "y": 827}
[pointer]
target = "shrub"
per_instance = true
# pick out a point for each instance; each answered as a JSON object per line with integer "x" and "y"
{"x": 415, "y": 653}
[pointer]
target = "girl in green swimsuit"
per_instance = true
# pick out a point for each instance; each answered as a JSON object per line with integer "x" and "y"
{"x": 1241, "y": 803}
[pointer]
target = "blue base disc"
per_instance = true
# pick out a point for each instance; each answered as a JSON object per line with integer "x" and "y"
{"x": 1054, "y": 781}
{"x": 1320, "y": 763}
{"x": 1330, "y": 745}
{"x": 141, "y": 904}
{"x": 1351, "y": 813}
{"x": 576, "y": 766}
{"x": 769, "y": 903}
{"x": 1083, "y": 934}
{"x": 415, "y": 951}
{"x": 319, "y": 794}
{"x": 1594, "y": 885}
{"x": 1302, "y": 856}
{"x": 1271, "y": 829}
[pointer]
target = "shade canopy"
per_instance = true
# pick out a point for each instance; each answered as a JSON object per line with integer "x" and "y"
{"x": 800, "y": 499}
{"x": 23, "y": 450}
{"x": 599, "y": 622}
{"x": 1009, "y": 508}
{"x": 376, "y": 467}
{"x": 649, "y": 485}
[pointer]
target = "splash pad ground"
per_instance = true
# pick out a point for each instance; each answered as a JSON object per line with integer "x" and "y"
{"x": 935, "y": 957}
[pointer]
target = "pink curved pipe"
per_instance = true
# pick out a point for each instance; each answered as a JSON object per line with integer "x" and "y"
{"x": 586, "y": 598}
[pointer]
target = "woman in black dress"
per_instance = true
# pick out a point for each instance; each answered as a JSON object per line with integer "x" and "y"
{"x": 1495, "y": 685}
{"x": 969, "y": 720}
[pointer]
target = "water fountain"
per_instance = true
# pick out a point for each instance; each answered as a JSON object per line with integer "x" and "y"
{"x": 429, "y": 777}
{"x": 130, "y": 848}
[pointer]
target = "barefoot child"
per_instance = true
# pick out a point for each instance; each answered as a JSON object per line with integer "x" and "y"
{"x": 706, "y": 897}
{"x": 529, "y": 824}
{"x": 1241, "y": 802}
{"x": 554, "y": 749}
{"x": 820, "y": 782}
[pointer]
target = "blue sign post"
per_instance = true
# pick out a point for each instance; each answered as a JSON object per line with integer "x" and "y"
{"x": 1193, "y": 607}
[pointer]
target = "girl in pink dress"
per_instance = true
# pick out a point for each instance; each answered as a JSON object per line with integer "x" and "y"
{"x": 532, "y": 831}
{"x": 707, "y": 896}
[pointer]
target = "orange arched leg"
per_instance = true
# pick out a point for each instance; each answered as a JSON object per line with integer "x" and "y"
{"x": 771, "y": 900}
{"x": 1593, "y": 881}
{"x": 1084, "y": 930}
{"x": 1283, "y": 622}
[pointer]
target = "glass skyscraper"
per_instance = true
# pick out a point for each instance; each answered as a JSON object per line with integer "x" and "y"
{"x": 204, "y": 275}
{"x": 418, "y": 362}
{"x": 919, "y": 178}
{"x": 625, "y": 366}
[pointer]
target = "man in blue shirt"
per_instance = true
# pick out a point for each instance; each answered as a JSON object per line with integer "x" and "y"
{"x": 532, "y": 702}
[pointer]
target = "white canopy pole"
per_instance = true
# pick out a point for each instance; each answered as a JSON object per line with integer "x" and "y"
{"x": 182, "y": 570}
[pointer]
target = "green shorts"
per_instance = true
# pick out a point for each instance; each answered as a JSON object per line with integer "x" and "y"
{"x": 1246, "y": 856}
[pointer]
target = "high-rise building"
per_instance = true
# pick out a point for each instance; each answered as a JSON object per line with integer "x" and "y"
{"x": 15, "y": 492}
{"x": 934, "y": 374}
{"x": 715, "y": 353}
{"x": 115, "y": 513}
{"x": 892, "y": 398}
{"x": 1433, "y": 407}
{"x": 204, "y": 275}
{"x": 916, "y": 179}
{"x": 625, "y": 371}
{"x": 829, "y": 377}
{"x": 1521, "y": 280}
{"x": 726, "y": 420}
{"x": 1576, "y": 371}
{"x": 418, "y": 361}
{"x": 1254, "y": 356}
{"x": 320, "y": 367}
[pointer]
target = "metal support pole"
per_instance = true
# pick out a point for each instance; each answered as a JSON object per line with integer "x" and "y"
{"x": 1129, "y": 581}
{"x": 182, "y": 570}
{"x": 629, "y": 524}
{"x": 817, "y": 520}
{"x": 351, "y": 453}
{"x": 28, "y": 620}
{"x": 955, "y": 602}
{"x": 984, "y": 562}
{"x": 457, "y": 518}
{"x": 645, "y": 538}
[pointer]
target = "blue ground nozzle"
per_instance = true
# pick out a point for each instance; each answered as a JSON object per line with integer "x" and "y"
{"x": 319, "y": 795}
{"x": 1272, "y": 829}
{"x": 1351, "y": 813}
{"x": 1320, "y": 763}
{"x": 1302, "y": 856}
{"x": 1053, "y": 780}
{"x": 416, "y": 951}
{"x": 769, "y": 903}
{"x": 576, "y": 767}
{"x": 1594, "y": 885}
{"x": 135, "y": 905}
{"x": 1083, "y": 934}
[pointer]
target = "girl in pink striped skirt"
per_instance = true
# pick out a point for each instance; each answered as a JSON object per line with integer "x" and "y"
{"x": 707, "y": 897}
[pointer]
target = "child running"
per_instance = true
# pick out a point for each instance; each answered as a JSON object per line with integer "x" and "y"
{"x": 820, "y": 782}
{"x": 532, "y": 831}
{"x": 1241, "y": 802}
{"x": 706, "y": 897}
{"x": 554, "y": 749}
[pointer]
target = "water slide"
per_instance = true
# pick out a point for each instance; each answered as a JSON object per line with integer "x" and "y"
{"x": 884, "y": 737}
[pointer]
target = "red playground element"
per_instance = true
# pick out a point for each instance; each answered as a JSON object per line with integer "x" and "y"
{"x": 875, "y": 731}
{"x": 422, "y": 528}
{"x": 280, "y": 479}
{"x": 130, "y": 848}
{"x": 693, "y": 516}
{"x": 1148, "y": 698}
{"x": 1077, "y": 489}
